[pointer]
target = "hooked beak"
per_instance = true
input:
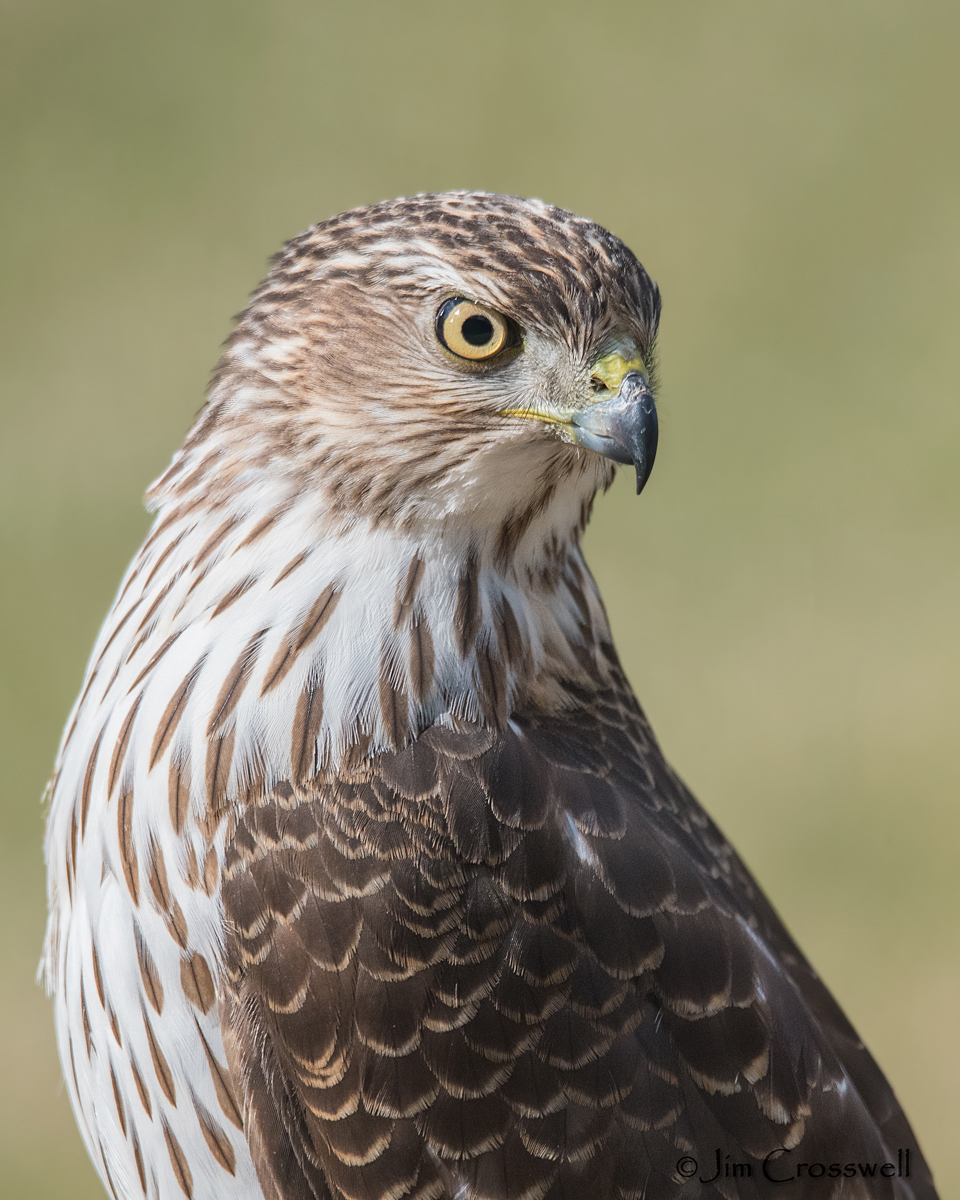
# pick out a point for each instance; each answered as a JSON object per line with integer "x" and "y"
{"x": 623, "y": 428}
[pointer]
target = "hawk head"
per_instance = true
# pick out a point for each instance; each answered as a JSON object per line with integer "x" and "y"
{"x": 456, "y": 360}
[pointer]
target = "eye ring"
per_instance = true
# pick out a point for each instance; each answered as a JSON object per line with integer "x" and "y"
{"x": 471, "y": 331}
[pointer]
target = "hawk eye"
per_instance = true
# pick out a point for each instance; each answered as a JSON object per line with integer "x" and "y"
{"x": 470, "y": 330}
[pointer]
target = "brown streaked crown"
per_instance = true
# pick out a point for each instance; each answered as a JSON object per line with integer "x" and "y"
{"x": 562, "y": 271}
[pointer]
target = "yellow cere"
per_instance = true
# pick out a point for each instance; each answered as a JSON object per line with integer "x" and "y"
{"x": 612, "y": 368}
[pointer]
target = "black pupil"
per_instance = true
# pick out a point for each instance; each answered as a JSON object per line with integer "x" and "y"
{"x": 477, "y": 330}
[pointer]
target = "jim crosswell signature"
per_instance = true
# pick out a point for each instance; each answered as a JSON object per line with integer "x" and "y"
{"x": 779, "y": 1167}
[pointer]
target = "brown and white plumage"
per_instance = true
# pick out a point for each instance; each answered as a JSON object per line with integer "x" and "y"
{"x": 367, "y": 876}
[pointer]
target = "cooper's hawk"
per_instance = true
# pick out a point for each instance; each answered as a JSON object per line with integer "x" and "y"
{"x": 368, "y": 879}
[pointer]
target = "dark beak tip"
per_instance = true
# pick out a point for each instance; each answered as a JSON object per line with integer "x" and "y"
{"x": 647, "y": 437}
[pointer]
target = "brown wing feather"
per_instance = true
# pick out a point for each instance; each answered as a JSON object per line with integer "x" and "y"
{"x": 527, "y": 964}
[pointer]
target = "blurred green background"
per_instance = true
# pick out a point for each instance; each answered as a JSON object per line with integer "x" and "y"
{"x": 784, "y": 595}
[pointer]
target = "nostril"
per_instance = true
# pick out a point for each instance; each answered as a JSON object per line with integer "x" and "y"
{"x": 597, "y": 384}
